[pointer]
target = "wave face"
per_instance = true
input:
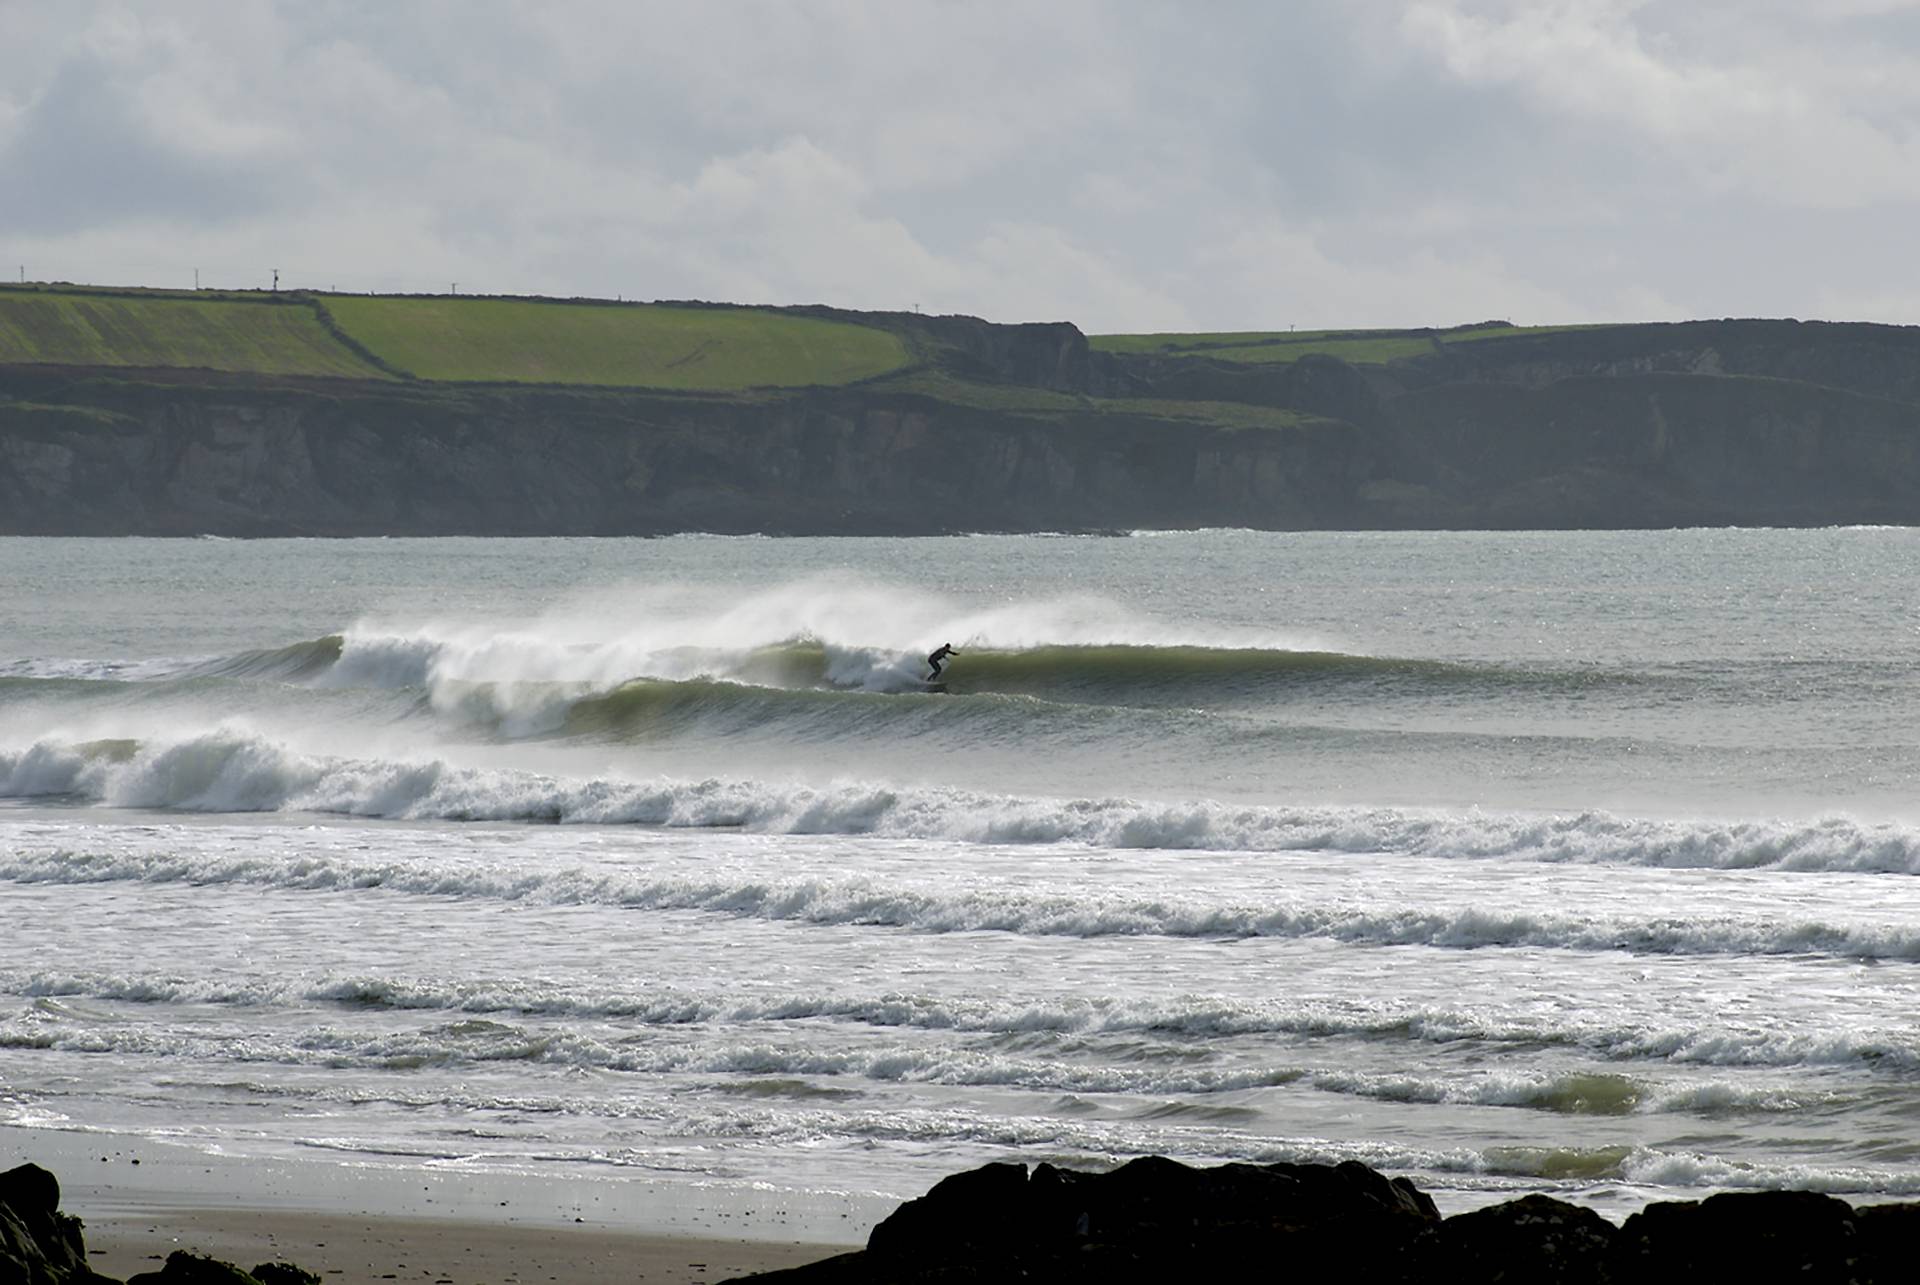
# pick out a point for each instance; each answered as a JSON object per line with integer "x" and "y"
{"x": 1117, "y": 673}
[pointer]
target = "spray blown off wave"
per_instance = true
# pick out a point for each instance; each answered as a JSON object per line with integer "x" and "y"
{"x": 1117, "y": 671}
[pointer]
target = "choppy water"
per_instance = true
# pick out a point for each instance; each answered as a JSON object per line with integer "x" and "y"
{"x": 1577, "y": 862}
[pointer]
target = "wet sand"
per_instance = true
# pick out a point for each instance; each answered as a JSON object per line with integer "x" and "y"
{"x": 368, "y": 1250}
{"x": 357, "y": 1222}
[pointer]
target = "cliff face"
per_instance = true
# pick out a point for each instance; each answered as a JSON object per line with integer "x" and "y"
{"x": 1877, "y": 361}
{"x": 1631, "y": 426}
{"x": 123, "y": 459}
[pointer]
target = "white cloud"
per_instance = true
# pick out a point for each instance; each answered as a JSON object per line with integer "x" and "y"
{"x": 1124, "y": 165}
{"x": 1784, "y": 131}
{"x": 1285, "y": 277}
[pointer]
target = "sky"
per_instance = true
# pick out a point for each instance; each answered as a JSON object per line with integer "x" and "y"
{"x": 1125, "y": 165}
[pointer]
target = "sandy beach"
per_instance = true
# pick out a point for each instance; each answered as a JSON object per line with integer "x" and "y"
{"x": 353, "y": 1223}
{"x": 365, "y": 1248}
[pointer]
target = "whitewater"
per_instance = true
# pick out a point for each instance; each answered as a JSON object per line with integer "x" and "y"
{"x": 1566, "y": 862}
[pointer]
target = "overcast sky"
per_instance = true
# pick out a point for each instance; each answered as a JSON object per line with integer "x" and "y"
{"x": 1124, "y": 165}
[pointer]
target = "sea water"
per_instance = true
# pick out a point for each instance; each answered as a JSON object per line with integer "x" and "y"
{"x": 1567, "y": 862}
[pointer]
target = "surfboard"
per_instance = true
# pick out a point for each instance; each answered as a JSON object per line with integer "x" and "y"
{"x": 933, "y": 687}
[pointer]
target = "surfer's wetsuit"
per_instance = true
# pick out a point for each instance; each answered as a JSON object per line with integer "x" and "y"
{"x": 946, "y": 650}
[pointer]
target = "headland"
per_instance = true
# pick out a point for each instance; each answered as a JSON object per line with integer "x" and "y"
{"x": 141, "y": 412}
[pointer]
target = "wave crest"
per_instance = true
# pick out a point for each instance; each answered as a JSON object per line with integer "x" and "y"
{"x": 234, "y": 770}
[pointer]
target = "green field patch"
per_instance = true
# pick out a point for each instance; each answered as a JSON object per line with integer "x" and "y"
{"x": 265, "y": 336}
{"x": 1177, "y": 344}
{"x": 1214, "y": 414}
{"x": 1360, "y": 347}
{"x": 1268, "y": 348}
{"x": 618, "y": 345}
{"x": 27, "y": 414}
{"x": 1359, "y": 351}
{"x": 1262, "y": 347}
{"x": 1173, "y": 344}
{"x": 1479, "y": 334}
{"x": 1015, "y": 398}
{"x": 1018, "y": 399}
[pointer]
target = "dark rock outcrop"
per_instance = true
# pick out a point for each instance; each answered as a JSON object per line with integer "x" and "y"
{"x": 284, "y": 1274}
{"x": 1150, "y": 1219}
{"x": 39, "y": 1245}
{"x": 1151, "y": 1214}
{"x": 1534, "y": 1238}
{"x": 1155, "y": 1219}
{"x": 1752, "y": 1236}
{"x": 183, "y": 1268}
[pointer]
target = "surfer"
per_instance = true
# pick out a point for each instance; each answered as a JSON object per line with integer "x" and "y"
{"x": 946, "y": 650}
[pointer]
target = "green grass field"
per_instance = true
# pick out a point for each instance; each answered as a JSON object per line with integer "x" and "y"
{"x": 1260, "y": 347}
{"x": 1168, "y": 343}
{"x": 1517, "y": 332}
{"x": 141, "y": 330}
{"x": 631, "y": 345}
{"x": 1361, "y": 351}
{"x": 662, "y": 347}
{"x": 1040, "y": 403}
{"x": 1264, "y": 347}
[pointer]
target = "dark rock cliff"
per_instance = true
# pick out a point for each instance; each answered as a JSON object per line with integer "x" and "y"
{"x": 1756, "y": 423}
{"x": 107, "y": 457}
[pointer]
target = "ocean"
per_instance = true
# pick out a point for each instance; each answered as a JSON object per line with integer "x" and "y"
{"x": 1575, "y": 862}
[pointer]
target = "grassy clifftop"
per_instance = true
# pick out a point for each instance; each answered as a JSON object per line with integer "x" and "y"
{"x": 629, "y": 345}
{"x": 1224, "y": 380}
{"x": 435, "y": 339}
{"x": 164, "y": 331}
{"x": 1359, "y": 347}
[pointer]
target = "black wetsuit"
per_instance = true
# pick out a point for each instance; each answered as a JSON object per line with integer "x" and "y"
{"x": 935, "y": 659}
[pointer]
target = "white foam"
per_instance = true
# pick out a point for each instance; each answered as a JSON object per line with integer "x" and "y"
{"x": 252, "y": 774}
{"x": 235, "y": 769}
{"x": 869, "y": 631}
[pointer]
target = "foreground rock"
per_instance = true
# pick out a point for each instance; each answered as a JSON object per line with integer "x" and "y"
{"x": 1158, "y": 1219}
{"x": 39, "y": 1245}
{"x": 183, "y": 1268}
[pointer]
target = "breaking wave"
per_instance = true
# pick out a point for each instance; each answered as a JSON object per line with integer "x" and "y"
{"x": 869, "y": 903}
{"x": 1179, "y": 1019}
{"x": 241, "y": 771}
{"x": 1111, "y": 672}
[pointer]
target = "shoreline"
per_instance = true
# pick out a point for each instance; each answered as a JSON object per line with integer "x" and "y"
{"x": 356, "y": 1221}
{"x": 369, "y": 1249}
{"x": 1152, "y": 1218}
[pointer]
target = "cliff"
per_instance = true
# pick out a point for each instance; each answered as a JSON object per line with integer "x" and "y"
{"x": 1004, "y": 428}
{"x": 111, "y": 457}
